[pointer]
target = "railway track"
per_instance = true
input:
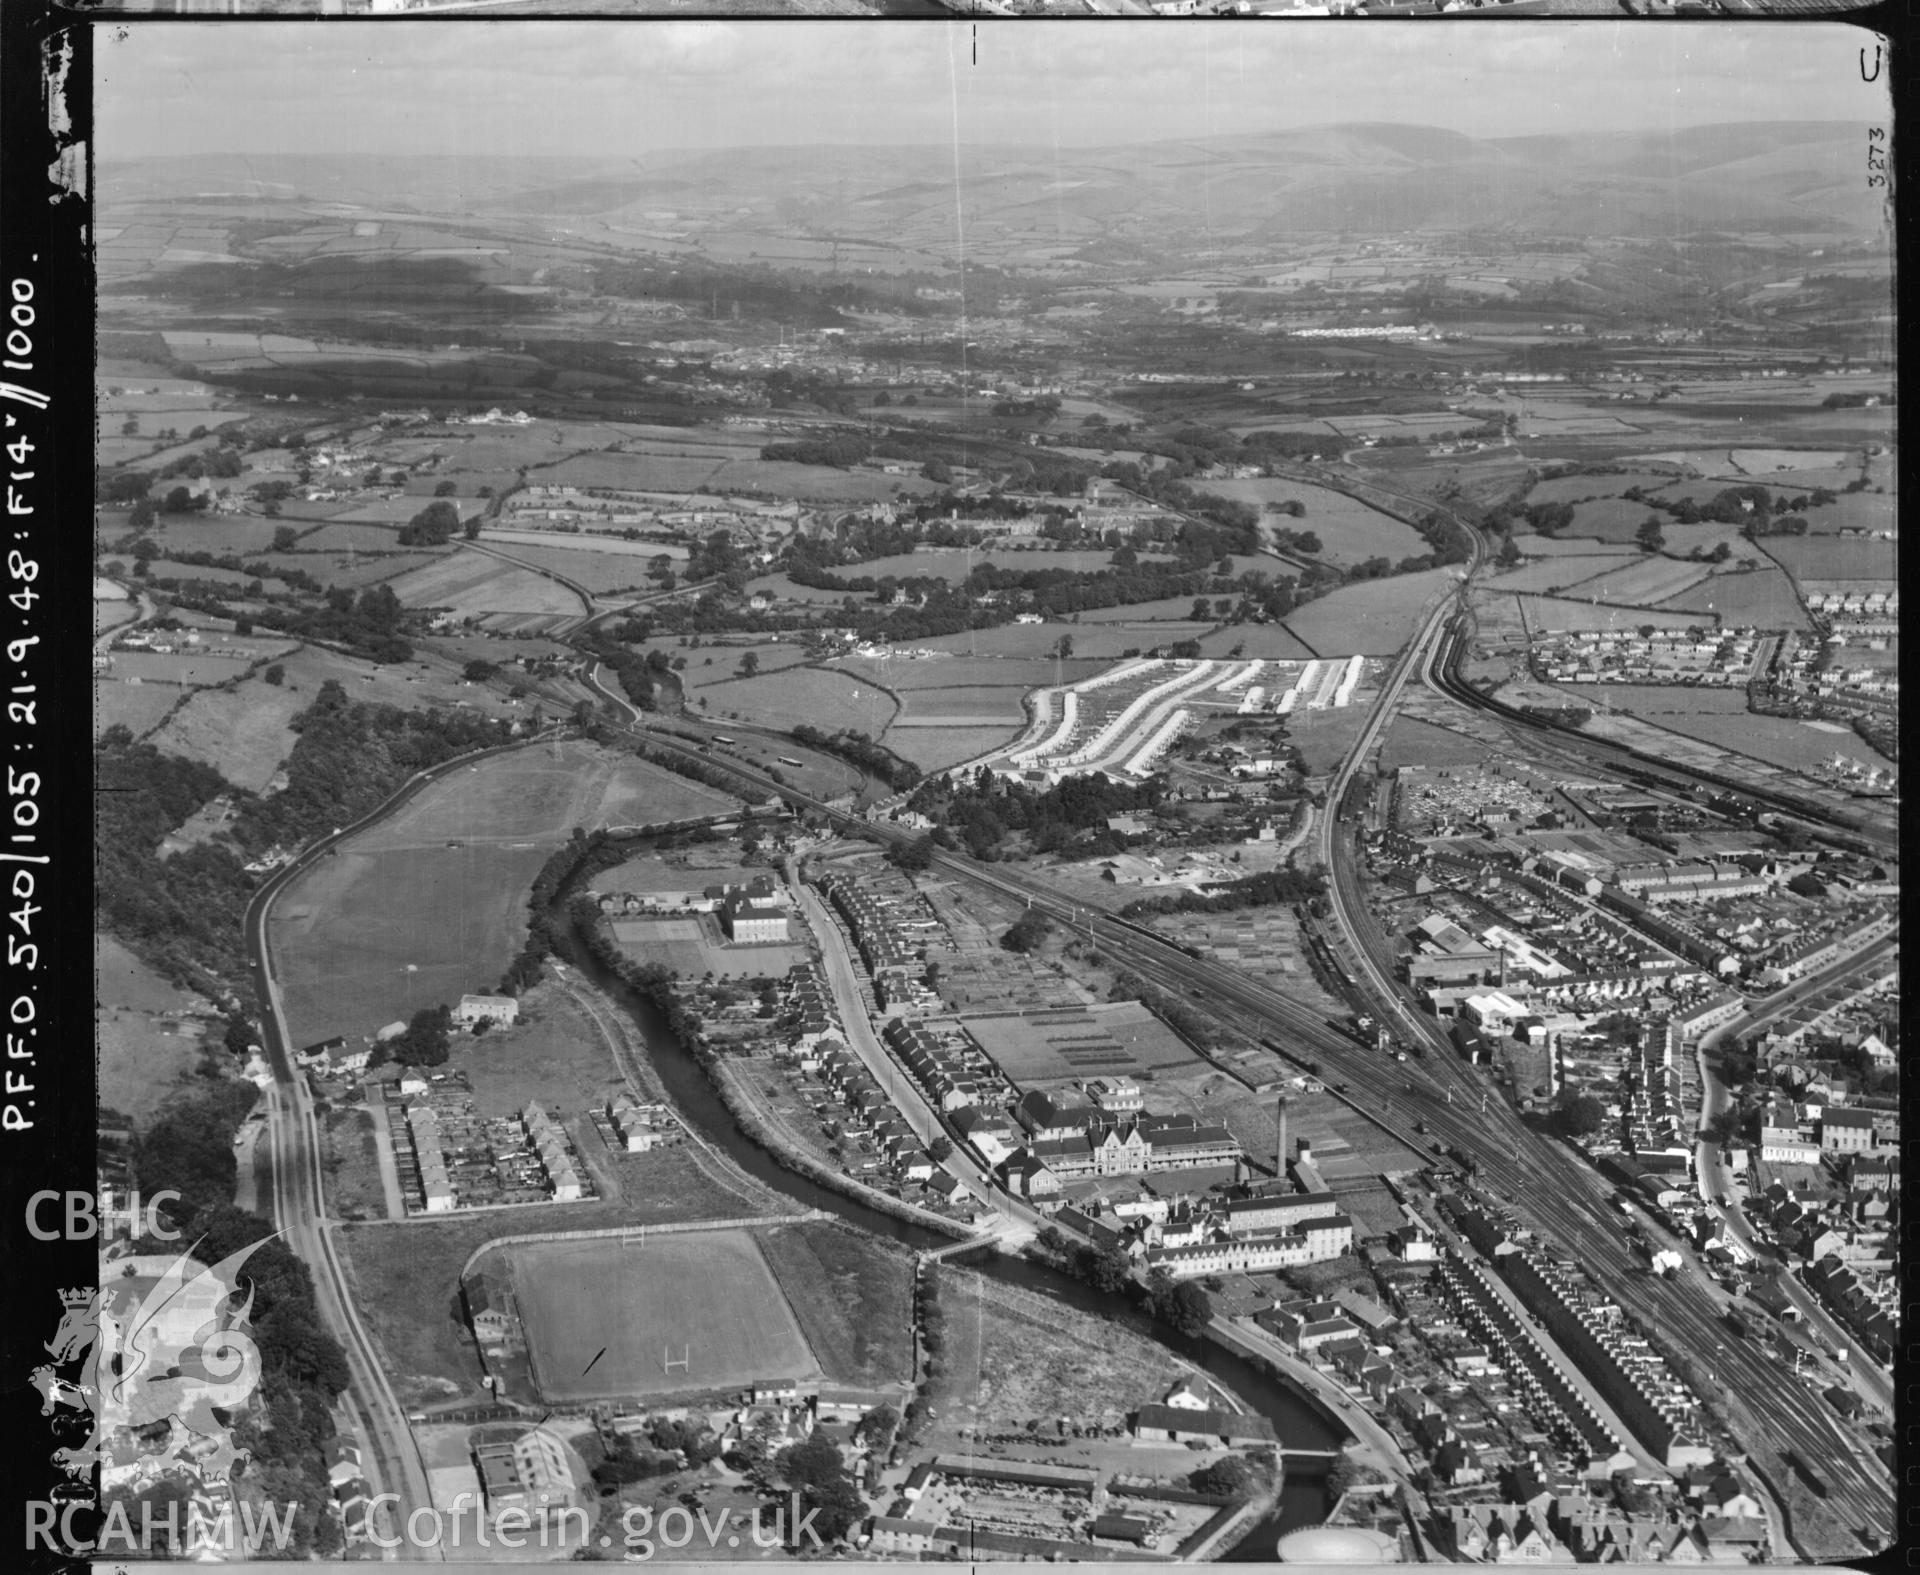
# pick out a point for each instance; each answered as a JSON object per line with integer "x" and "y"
{"x": 1554, "y": 1190}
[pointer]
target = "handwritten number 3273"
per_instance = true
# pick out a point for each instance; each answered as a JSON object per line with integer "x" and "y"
{"x": 1876, "y": 156}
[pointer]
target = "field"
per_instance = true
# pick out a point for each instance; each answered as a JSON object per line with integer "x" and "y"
{"x": 1092, "y": 641}
{"x": 389, "y": 511}
{"x": 146, "y": 1041}
{"x": 1557, "y": 574}
{"x": 1573, "y": 489}
{"x": 137, "y": 707}
{"x": 1608, "y": 519}
{"x": 242, "y": 535}
{"x": 1553, "y": 547}
{"x": 1651, "y": 580}
{"x": 167, "y": 569}
{"x": 1760, "y": 598}
{"x": 1013, "y": 1354}
{"x": 400, "y": 920}
{"x": 1373, "y": 618}
{"x": 1542, "y": 613}
{"x": 1655, "y": 701}
{"x": 1143, "y": 614}
{"x": 602, "y": 1319}
{"x": 344, "y": 536}
{"x": 853, "y": 1296}
{"x": 937, "y": 749}
{"x": 473, "y": 582}
{"x": 1412, "y": 742}
{"x": 1769, "y": 461}
{"x": 1324, "y": 737}
{"x": 600, "y": 573}
{"x": 1875, "y": 511}
{"x": 1825, "y": 558}
{"x": 692, "y": 945}
{"x": 356, "y": 570}
{"x": 552, "y": 1053}
{"x": 814, "y": 483}
{"x": 723, "y": 665}
{"x": 1349, "y": 530}
{"x": 1269, "y": 641}
{"x": 1779, "y": 741}
{"x": 826, "y": 699}
{"x": 244, "y": 733}
{"x": 406, "y": 1278}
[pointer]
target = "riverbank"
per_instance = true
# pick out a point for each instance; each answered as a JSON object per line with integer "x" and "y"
{"x": 758, "y": 1126}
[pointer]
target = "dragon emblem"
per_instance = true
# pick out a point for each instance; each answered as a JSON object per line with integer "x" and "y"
{"x": 153, "y": 1349}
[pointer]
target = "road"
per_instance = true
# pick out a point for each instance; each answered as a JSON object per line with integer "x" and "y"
{"x": 294, "y": 1150}
{"x": 849, "y": 999}
{"x": 1871, "y": 1382}
{"x": 143, "y": 609}
{"x": 1555, "y": 1191}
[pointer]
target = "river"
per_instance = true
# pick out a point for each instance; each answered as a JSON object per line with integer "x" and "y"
{"x": 1297, "y": 1420}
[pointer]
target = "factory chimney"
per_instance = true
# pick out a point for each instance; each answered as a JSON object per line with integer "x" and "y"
{"x": 1280, "y": 1150}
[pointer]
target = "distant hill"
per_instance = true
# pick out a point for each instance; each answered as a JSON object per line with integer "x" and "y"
{"x": 1369, "y": 178}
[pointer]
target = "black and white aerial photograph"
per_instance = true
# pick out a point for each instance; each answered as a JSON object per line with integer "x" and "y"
{"x": 903, "y": 791}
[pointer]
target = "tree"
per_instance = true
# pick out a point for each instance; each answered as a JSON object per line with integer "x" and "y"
{"x": 284, "y": 538}
{"x": 275, "y": 674}
{"x": 815, "y": 1470}
{"x": 1064, "y": 649}
{"x": 1027, "y": 931}
{"x": 749, "y": 664}
{"x": 424, "y": 1041}
{"x": 1107, "y": 1269}
{"x": 445, "y": 489}
{"x": 936, "y": 471}
{"x": 912, "y": 856}
{"x": 143, "y": 514}
{"x": 1188, "y": 1309}
{"x": 479, "y": 670}
{"x": 941, "y": 1149}
{"x": 471, "y": 530}
{"x": 1578, "y": 1115}
{"x": 433, "y": 526}
{"x": 1226, "y": 1476}
{"x": 181, "y": 501}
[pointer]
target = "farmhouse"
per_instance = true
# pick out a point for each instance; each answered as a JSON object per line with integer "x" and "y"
{"x": 499, "y": 1010}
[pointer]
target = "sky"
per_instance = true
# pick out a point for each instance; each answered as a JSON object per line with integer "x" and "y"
{"x": 597, "y": 88}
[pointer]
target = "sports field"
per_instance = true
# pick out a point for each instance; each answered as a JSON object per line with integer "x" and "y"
{"x": 604, "y": 1319}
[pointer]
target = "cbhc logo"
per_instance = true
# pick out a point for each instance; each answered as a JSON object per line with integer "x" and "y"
{"x": 82, "y": 1221}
